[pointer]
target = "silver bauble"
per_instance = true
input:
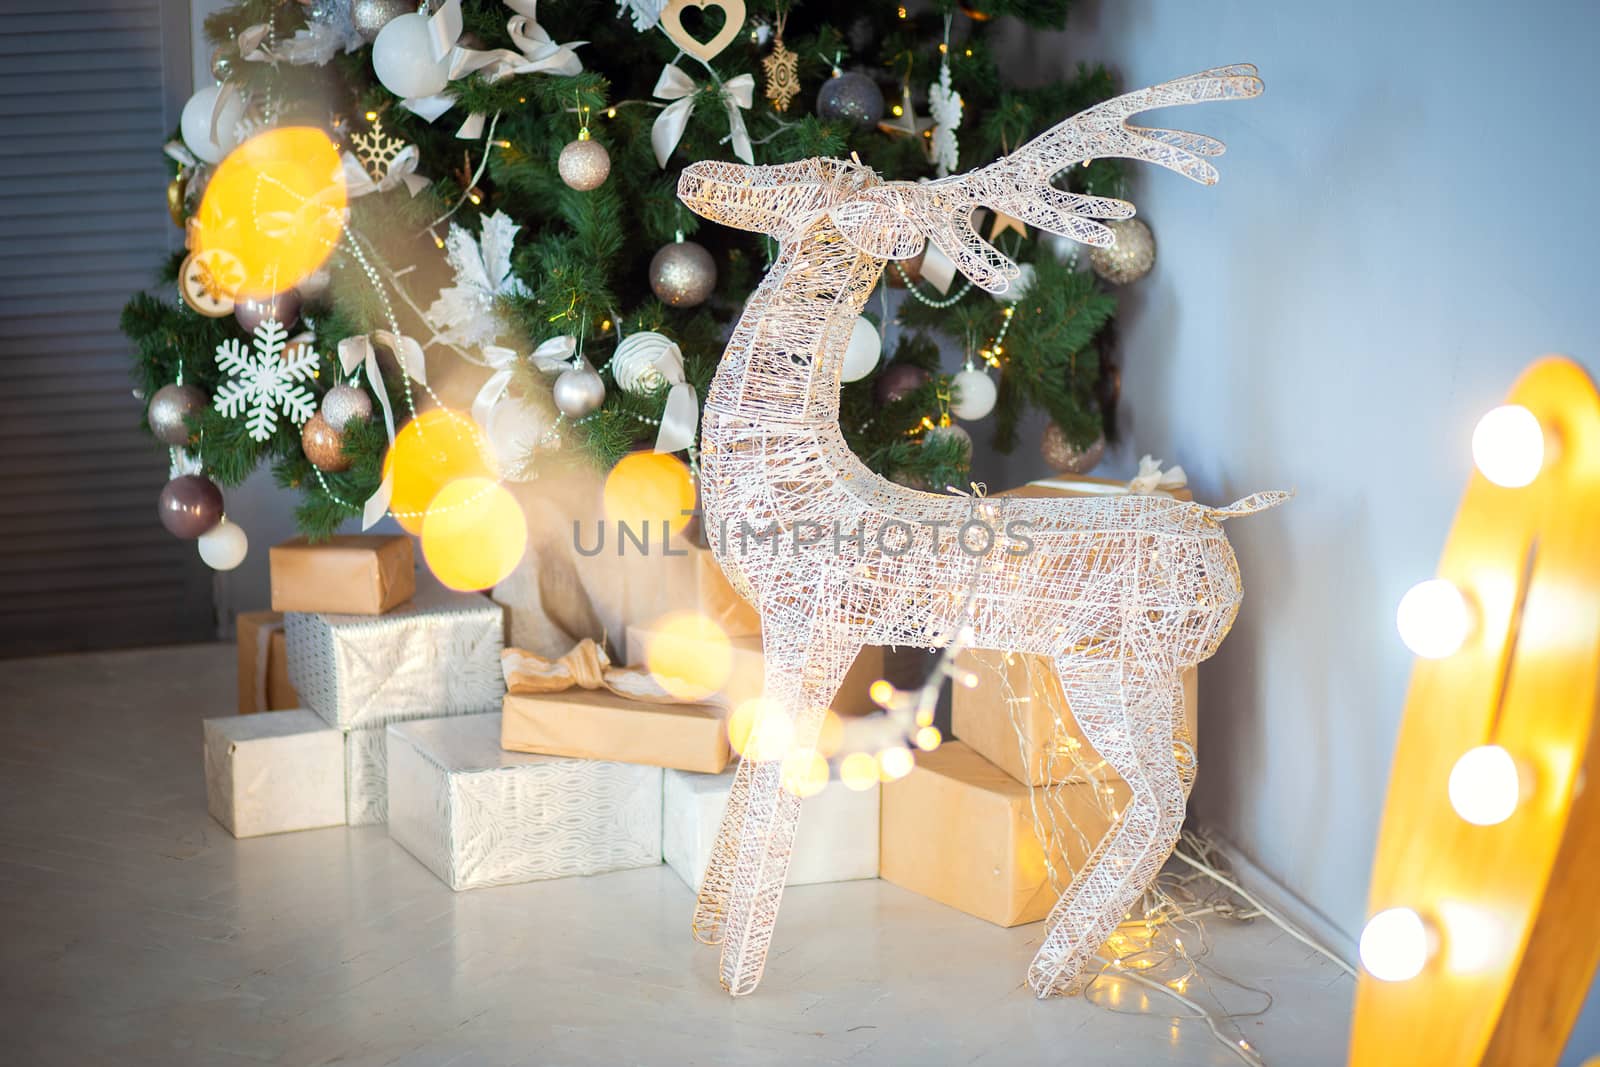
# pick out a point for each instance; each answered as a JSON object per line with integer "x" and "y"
{"x": 1130, "y": 258}
{"x": 951, "y": 433}
{"x": 850, "y": 97}
{"x": 584, "y": 164}
{"x": 284, "y": 306}
{"x": 343, "y": 403}
{"x": 579, "y": 391}
{"x": 371, "y": 16}
{"x": 222, "y": 63}
{"x": 683, "y": 274}
{"x": 169, "y": 408}
{"x": 1066, "y": 458}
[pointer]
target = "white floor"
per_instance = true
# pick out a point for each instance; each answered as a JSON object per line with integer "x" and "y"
{"x": 136, "y": 930}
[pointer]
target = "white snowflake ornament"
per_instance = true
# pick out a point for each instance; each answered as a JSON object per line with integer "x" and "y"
{"x": 266, "y": 378}
{"x": 944, "y": 103}
{"x": 464, "y": 313}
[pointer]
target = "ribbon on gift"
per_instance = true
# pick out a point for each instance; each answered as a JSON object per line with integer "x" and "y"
{"x": 585, "y": 667}
{"x": 180, "y": 154}
{"x": 402, "y": 168}
{"x": 676, "y": 86}
{"x": 551, "y": 356}
{"x": 1152, "y": 479}
{"x": 264, "y": 634}
{"x": 359, "y": 352}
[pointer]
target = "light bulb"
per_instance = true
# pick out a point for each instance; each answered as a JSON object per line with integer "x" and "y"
{"x": 1395, "y": 945}
{"x": 1508, "y": 446}
{"x": 1434, "y": 619}
{"x": 1484, "y": 786}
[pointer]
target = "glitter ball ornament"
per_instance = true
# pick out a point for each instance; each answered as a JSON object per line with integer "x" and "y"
{"x": 974, "y": 394}
{"x": 371, "y": 16}
{"x": 323, "y": 445}
{"x": 169, "y": 410}
{"x": 1066, "y": 458}
{"x": 222, "y": 63}
{"x": 1130, "y": 258}
{"x": 224, "y": 546}
{"x": 579, "y": 391}
{"x": 852, "y": 97}
{"x": 284, "y": 306}
{"x": 683, "y": 274}
{"x": 190, "y": 505}
{"x": 898, "y": 380}
{"x": 343, "y": 403}
{"x": 950, "y": 433}
{"x": 584, "y": 163}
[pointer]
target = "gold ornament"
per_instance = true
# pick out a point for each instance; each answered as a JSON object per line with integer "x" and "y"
{"x": 208, "y": 281}
{"x": 705, "y": 51}
{"x": 584, "y": 164}
{"x": 782, "y": 68}
{"x": 177, "y": 189}
{"x": 375, "y": 150}
{"x": 1003, "y": 222}
{"x": 683, "y": 274}
{"x": 323, "y": 445}
{"x": 904, "y": 120}
{"x": 1065, "y": 457}
{"x": 1130, "y": 258}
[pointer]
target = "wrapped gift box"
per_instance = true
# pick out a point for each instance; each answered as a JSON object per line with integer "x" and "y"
{"x": 679, "y": 576}
{"x": 437, "y": 655}
{"x": 1017, "y": 716}
{"x": 960, "y": 830}
{"x": 476, "y": 815}
{"x": 596, "y": 724}
{"x": 357, "y": 574}
{"x": 366, "y": 778}
{"x": 747, "y": 672}
{"x": 837, "y": 840}
{"x": 274, "y": 772}
{"x": 263, "y": 663}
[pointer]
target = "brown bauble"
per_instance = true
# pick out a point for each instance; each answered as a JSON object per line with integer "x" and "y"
{"x": 1066, "y": 458}
{"x": 323, "y": 445}
{"x": 898, "y": 380}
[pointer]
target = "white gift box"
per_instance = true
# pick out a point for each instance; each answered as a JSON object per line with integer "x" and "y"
{"x": 837, "y": 840}
{"x": 476, "y": 815}
{"x": 274, "y": 772}
{"x": 438, "y": 654}
{"x": 366, "y": 779}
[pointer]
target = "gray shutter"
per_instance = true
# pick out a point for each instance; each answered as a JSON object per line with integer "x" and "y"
{"x": 89, "y": 90}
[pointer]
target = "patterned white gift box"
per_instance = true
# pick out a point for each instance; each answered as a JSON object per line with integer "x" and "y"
{"x": 366, "y": 788}
{"x": 837, "y": 840}
{"x": 436, "y": 655}
{"x": 476, "y": 815}
{"x": 274, "y": 772}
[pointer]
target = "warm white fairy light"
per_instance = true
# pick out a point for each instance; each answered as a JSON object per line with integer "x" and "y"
{"x": 1485, "y": 786}
{"x": 1395, "y": 945}
{"x": 1434, "y": 618}
{"x": 1508, "y": 446}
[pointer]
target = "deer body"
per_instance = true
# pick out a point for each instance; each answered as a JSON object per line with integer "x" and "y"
{"x": 1122, "y": 593}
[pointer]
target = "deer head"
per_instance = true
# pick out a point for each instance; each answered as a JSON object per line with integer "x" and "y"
{"x": 894, "y": 220}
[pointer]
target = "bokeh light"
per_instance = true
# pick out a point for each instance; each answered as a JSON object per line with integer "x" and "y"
{"x": 858, "y": 771}
{"x": 689, "y": 655}
{"x": 1484, "y": 785}
{"x": 895, "y": 762}
{"x": 1434, "y": 619}
{"x": 831, "y": 735}
{"x": 473, "y": 534}
{"x": 805, "y": 776}
{"x": 436, "y": 448}
{"x": 928, "y": 738}
{"x": 1508, "y": 446}
{"x": 760, "y": 730}
{"x": 1395, "y": 945}
{"x": 276, "y": 203}
{"x": 646, "y": 489}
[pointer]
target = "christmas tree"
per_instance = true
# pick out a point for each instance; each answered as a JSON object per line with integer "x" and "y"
{"x": 536, "y": 152}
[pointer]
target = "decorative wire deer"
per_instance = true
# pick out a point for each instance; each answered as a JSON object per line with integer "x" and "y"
{"x": 1122, "y": 593}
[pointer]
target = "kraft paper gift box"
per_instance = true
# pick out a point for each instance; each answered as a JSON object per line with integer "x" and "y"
{"x": 476, "y": 815}
{"x": 747, "y": 670}
{"x": 274, "y": 772}
{"x": 837, "y": 840}
{"x": 356, "y": 574}
{"x": 1017, "y": 716}
{"x": 597, "y": 724}
{"x": 263, "y": 663}
{"x": 960, "y": 830}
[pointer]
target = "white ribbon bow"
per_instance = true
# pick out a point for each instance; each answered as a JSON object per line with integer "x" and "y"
{"x": 357, "y": 352}
{"x": 678, "y": 87}
{"x": 312, "y": 45}
{"x": 402, "y": 168}
{"x": 551, "y": 356}
{"x": 180, "y": 154}
{"x": 1151, "y": 479}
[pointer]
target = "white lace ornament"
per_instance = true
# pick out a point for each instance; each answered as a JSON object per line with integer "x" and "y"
{"x": 266, "y": 378}
{"x": 944, "y": 104}
{"x": 643, "y": 363}
{"x": 464, "y": 313}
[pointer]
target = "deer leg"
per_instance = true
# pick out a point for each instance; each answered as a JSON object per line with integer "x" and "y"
{"x": 711, "y": 905}
{"x": 1128, "y": 720}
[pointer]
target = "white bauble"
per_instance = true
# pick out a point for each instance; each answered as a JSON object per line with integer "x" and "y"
{"x": 195, "y": 124}
{"x": 645, "y": 361}
{"x": 862, "y": 355}
{"x": 223, "y": 547}
{"x": 402, "y": 58}
{"x": 1019, "y": 285}
{"x": 1066, "y": 250}
{"x": 515, "y": 429}
{"x": 973, "y": 396}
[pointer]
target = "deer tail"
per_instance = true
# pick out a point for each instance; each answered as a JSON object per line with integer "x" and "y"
{"x": 1251, "y": 504}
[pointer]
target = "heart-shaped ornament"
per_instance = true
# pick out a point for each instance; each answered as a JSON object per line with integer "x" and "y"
{"x": 705, "y": 51}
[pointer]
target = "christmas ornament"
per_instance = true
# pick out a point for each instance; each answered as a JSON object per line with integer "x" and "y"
{"x": 177, "y": 192}
{"x": 284, "y": 306}
{"x": 683, "y": 274}
{"x": 584, "y": 164}
{"x": 861, "y": 356}
{"x": 773, "y": 458}
{"x": 904, "y": 120}
{"x": 782, "y": 68}
{"x": 515, "y": 429}
{"x": 853, "y": 98}
{"x": 671, "y": 23}
{"x": 190, "y": 504}
{"x": 465, "y": 313}
{"x": 899, "y": 380}
{"x": 323, "y": 445}
{"x": 736, "y": 95}
{"x": 1063, "y": 456}
{"x": 973, "y": 395}
{"x": 369, "y": 17}
{"x": 579, "y": 390}
{"x": 1130, "y": 258}
{"x": 646, "y": 14}
{"x": 266, "y": 378}
{"x": 207, "y": 281}
{"x": 645, "y": 362}
{"x": 169, "y": 411}
{"x": 338, "y": 16}
{"x": 222, "y": 63}
{"x": 223, "y": 547}
{"x": 343, "y": 403}
{"x": 951, "y": 432}
{"x": 375, "y": 149}
{"x": 944, "y": 103}
{"x": 360, "y": 353}
{"x": 1001, "y": 222}
{"x": 315, "y": 285}
{"x": 402, "y": 58}
{"x": 202, "y": 117}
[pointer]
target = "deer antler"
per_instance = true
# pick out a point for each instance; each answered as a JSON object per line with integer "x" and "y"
{"x": 1020, "y": 184}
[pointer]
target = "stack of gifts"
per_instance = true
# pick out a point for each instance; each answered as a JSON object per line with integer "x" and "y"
{"x": 363, "y": 647}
